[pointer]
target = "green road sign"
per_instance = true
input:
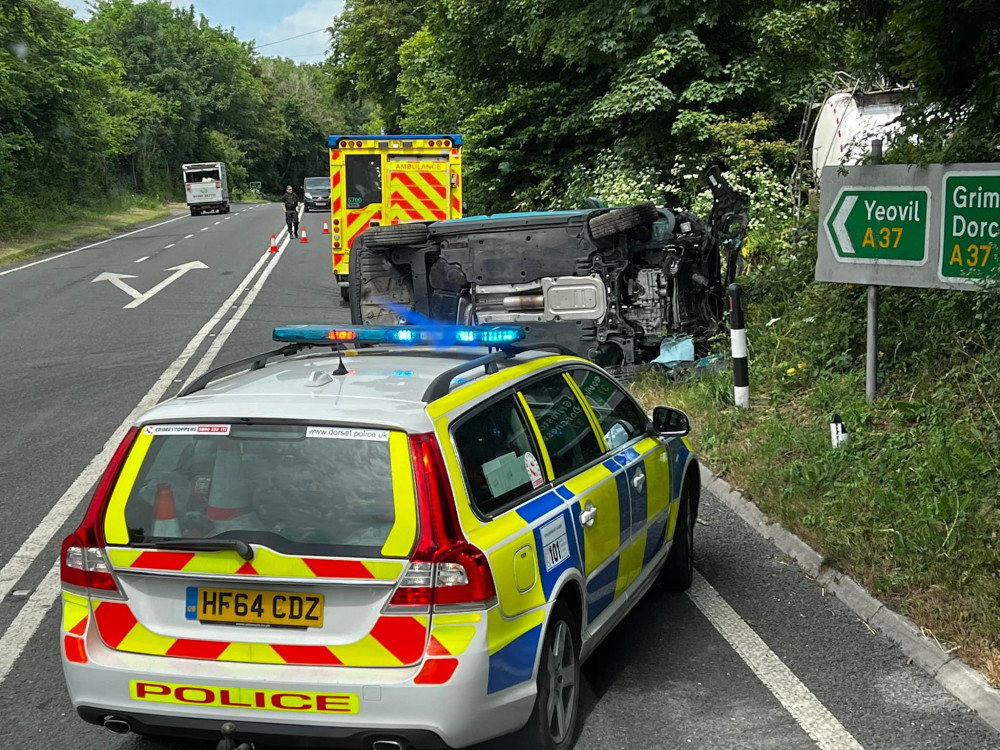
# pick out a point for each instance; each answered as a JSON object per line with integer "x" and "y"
{"x": 970, "y": 227}
{"x": 880, "y": 225}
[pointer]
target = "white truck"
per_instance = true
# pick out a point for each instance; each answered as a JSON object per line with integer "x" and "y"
{"x": 206, "y": 187}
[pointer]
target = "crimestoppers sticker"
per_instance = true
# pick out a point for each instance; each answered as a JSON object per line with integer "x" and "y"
{"x": 186, "y": 429}
{"x": 534, "y": 470}
{"x": 347, "y": 433}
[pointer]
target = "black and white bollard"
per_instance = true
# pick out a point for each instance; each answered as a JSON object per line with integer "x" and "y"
{"x": 738, "y": 338}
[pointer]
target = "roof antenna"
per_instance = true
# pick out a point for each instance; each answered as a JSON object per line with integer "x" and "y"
{"x": 341, "y": 370}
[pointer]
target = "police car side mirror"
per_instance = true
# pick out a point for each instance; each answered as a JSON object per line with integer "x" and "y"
{"x": 670, "y": 422}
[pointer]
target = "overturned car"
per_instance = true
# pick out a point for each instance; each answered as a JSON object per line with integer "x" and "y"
{"x": 608, "y": 284}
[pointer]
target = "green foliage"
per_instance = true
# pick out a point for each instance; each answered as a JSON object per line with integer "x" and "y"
{"x": 91, "y": 110}
{"x": 950, "y": 52}
{"x": 550, "y": 94}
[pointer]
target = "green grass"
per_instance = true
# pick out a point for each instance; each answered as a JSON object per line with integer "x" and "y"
{"x": 910, "y": 505}
{"x": 73, "y": 225}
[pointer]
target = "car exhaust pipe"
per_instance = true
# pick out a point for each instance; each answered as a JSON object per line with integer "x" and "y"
{"x": 387, "y": 745}
{"x": 524, "y": 302}
{"x": 116, "y": 725}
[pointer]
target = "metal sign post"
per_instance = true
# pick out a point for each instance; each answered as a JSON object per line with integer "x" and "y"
{"x": 871, "y": 352}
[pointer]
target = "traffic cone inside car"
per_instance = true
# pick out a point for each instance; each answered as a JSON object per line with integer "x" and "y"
{"x": 227, "y": 506}
{"x": 165, "y": 523}
{"x": 303, "y": 239}
{"x": 274, "y": 244}
{"x": 326, "y": 228}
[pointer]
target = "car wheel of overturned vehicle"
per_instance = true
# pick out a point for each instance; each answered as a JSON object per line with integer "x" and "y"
{"x": 554, "y": 720}
{"x": 376, "y": 285}
{"x": 396, "y": 235}
{"x": 622, "y": 220}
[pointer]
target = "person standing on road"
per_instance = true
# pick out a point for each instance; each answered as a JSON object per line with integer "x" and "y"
{"x": 290, "y": 205}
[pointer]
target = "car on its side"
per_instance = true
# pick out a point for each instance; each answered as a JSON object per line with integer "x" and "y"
{"x": 609, "y": 284}
{"x": 411, "y": 544}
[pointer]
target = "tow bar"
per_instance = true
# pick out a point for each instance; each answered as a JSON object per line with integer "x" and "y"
{"x": 228, "y": 741}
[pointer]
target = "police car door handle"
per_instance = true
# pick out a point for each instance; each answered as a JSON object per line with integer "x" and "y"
{"x": 588, "y": 515}
{"x": 638, "y": 479}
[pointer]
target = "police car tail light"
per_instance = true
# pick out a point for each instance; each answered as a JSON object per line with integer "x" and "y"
{"x": 83, "y": 562}
{"x": 445, "y": 570}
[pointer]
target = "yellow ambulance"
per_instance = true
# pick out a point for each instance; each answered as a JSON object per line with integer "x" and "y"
{"x": 389, "y": 179}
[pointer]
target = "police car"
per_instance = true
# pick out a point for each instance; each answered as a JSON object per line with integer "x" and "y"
{"x": 409, "y": 543}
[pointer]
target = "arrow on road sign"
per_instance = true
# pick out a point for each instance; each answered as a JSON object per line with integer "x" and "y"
{"x": 840, "y": 223}
{"x": 139, "y": 297}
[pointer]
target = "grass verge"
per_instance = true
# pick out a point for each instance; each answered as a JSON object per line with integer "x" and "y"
{"x": 910, "y": 505}
{"x": 74, "y": 226}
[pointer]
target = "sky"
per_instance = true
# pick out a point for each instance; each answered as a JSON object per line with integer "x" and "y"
{"x": 266, "y": 21}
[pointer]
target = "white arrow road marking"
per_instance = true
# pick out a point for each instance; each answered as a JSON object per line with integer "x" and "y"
{"x": 139, "y": 297}
{"x": 116, "y": 279}
{"x": 178, "y": 271}
{"x": 840, "y": 224}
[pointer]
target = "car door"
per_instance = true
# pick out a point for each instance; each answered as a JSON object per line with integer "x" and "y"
{"x": 589, "y": 480}
{"x": 646, "y": 469}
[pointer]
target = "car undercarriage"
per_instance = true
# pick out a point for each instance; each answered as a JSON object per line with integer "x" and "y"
{"x": 608, "y": 284}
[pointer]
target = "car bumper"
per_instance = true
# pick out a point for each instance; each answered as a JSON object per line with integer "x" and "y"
{"x": 318, "y": 204}
{"x": 390, "y": 705}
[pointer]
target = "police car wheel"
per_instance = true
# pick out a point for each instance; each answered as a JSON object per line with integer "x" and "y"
{"x": 554, "y": 720}
{"x": 678, "y": 570}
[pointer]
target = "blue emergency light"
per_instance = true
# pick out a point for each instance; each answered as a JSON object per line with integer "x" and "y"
{"x": 427, "y": 335}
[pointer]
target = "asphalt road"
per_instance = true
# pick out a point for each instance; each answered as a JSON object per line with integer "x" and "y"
{"x": 755, "y": 656}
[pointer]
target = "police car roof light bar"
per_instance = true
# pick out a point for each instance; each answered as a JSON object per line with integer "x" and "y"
{"x": 439, "y": 336}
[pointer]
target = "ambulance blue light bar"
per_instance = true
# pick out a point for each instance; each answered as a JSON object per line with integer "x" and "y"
{"x": 416, "y": 335}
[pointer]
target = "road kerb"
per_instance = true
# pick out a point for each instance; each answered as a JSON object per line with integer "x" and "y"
{"x": 955, "y": 676}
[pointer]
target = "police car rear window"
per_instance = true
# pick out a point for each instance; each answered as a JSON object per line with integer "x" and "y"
{"x": 294, "y": 488}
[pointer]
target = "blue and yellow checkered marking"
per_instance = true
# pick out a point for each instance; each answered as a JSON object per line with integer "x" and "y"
{"x": 515, "y": 662}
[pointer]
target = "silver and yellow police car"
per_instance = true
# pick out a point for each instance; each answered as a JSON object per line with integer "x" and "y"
{"x": 373, "y": 537}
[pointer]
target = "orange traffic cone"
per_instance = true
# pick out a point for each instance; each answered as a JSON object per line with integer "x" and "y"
{"x": 227, "y": 506}
{"x": 326, "y": 228}
{"x": 303, "y": 239}
{"x": 165, "y": 521}
{"x": 274, "y": 244}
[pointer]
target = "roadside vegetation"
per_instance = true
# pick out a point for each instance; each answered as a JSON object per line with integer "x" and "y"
{"x": 100, "y": 113}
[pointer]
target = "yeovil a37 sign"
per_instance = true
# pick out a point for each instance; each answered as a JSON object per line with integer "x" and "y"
{"x": 902, "y": 225}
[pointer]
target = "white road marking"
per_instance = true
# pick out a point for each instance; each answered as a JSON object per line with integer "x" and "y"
{"x": 87, "y": 247}
{"x": 227, "y": 218}
{"x": 795, "y": 697}
{"x": 42, "y": 534}
{"x": 204, "y": 229}
{"x": 213, "y": 351}
{"x": 188, "y": 236}
{"x": 145, "y": 257}
{"x": 178, "y": 271}
{"x": 167, "y": 247}
{"x": 218, "y": 222}
{"x": 28, "y": 620}
{"x": 116, "y": 279}
{"x": 139, "y": 297}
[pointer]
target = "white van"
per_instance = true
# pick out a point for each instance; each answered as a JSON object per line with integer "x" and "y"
{"x": 206, "y": 187}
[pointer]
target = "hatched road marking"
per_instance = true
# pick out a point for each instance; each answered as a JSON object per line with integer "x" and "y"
{"x": 27, "y": 621}
{"x": 821, "y": 725}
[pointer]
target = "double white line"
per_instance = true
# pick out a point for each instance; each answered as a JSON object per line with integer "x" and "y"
{"x": 28, "y": 620}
